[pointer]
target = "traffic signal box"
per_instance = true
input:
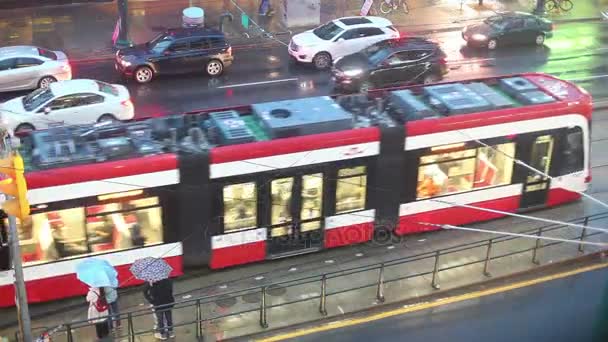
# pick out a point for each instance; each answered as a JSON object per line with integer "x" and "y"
{"x": 13, "y": 184}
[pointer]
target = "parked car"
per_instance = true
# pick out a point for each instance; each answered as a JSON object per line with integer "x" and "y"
{"x": 338, "y": 38}
{"x": 176, "y": 51}
{"x": 391, "y": 62}
{"x": 72, "y": 102}
{"x": 509, "y": 28}
{"x": 30, "y": 67}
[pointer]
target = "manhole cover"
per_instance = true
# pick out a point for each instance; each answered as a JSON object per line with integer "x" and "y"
{"x": 254, "y": 297}
{"x": 225, "y": 301}
{"x": 276, "y": 290}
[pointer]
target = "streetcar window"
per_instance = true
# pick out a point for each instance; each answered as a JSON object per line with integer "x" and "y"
{"x": 351, "y": 189}
{"x": 312, "y": 201}
{"x": 458, "y": 171}
{"x": 280, "y": 213}
{"x": 573, "y": 155}
{"x": 240, "y": 206}
{"x": 122, "y": 225}
{"x": 53, "y": 235}
{"x": 494, "y": 165}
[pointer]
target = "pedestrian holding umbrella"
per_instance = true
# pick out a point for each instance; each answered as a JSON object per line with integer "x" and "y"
{"x": 158, "y": 291}
{"x": 97, "y": 273}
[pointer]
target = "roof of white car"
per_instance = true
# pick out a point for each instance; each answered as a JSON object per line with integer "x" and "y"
{"x": 74, "y": 86}
{"x": 356, "y": 22}
{"x": 19, "y": 51}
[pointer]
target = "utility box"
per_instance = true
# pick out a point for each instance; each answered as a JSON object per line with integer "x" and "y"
{"x": 193, "y": 17}
{"x": 298, "y": 13}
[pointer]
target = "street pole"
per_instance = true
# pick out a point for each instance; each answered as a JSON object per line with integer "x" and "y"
{"x": 540, "y": 8}
{"x": 25, "y": 324}
{"x": 123, "y": 32}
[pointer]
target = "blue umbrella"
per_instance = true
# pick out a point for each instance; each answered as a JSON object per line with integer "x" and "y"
{"x": 151, "y": 269}
{"x": 97, "y": 273}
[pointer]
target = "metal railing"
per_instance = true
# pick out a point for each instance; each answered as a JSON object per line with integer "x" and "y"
{"x": 485, "y": 248}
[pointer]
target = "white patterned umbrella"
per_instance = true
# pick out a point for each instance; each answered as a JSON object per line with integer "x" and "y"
{"x": 151, "y": 269}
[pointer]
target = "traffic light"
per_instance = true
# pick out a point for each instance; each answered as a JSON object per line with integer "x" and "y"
{"x": 14, "y": 185}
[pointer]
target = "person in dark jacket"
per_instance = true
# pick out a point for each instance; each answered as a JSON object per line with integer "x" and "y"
{"x": 161, "y": 293}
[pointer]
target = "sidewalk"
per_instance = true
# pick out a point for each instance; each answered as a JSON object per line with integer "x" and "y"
{"x": 219, "y": 283}
{"x": 84, "y": 31}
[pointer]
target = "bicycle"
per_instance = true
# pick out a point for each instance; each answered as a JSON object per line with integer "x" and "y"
{"x": 563, "y": 5}
{"x": 387, "y": 6}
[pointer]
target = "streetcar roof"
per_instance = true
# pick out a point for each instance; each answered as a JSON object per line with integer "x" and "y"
{"x": 435, "y": 107}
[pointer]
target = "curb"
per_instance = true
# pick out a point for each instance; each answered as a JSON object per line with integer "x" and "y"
{"x": 549, "y": 268}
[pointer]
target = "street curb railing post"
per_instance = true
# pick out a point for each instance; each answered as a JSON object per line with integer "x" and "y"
{"x": 583, "y": 235}
{"x": 263, "y": 321}
{"x": 323, "y": 299}
{"x": 130, "y": 328}
{"x": 434, "y": 282}
{"x": 486, "y": 263}
{"x": 68, "y": 330}
{"x": 199, "y": 320}
{"x": 536, "y": 247}
{"x": 380, "y": 290}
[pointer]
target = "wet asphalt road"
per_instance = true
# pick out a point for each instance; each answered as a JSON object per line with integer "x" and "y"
{"x": 533, "y": 314}
{"x": 578, "y": 51}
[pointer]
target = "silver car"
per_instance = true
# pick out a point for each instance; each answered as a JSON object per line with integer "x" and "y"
{"x": 31, "y": 67}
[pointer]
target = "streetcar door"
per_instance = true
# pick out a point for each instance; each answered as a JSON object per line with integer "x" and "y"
{"x": 536, "y": 187}
{"x": 295, "y": 215}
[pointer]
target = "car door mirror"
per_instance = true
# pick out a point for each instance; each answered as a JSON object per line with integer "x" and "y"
{"x": 47, "y": 110}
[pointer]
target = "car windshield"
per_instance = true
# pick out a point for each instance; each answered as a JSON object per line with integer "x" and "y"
{"x": 36, "y": 98}
{"x": 496, "y": 22}
{"x": 327, "y": 31}
{"x": 379, "y": 56}
{"x": 107, "y": 88}
{"x": 160, "y": 43}
{"x": 369, "y": 51}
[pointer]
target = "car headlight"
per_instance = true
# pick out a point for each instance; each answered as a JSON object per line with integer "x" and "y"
{"x": 125, "y": 63}
{"x": 353, "y": 72}
{"x": 478, "y": 36}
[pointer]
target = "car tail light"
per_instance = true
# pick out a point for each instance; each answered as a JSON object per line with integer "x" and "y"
{"x": 443, "y": 61}
{"x": 127, "y": 103}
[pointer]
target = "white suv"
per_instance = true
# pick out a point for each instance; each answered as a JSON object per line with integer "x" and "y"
{"x": 338, "y": 38}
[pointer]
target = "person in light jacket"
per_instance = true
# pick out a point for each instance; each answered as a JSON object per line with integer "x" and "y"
{"x": 161, "y": 293}
{"x": 112, "y": 299}
{"x": 100, "y": 318}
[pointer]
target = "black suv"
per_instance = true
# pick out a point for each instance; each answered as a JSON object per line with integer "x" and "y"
{"x": 391, "y": 62}
{"x": 176, "y": 51}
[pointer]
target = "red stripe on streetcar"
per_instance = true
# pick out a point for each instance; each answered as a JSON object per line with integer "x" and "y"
{"x": 101, "y": 171}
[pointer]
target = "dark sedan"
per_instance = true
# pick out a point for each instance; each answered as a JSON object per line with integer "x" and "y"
{"x": 510, "y": 28}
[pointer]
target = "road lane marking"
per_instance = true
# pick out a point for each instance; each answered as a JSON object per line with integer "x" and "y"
{"x": 428, "y": 305}
{"x": 258, "y": 83}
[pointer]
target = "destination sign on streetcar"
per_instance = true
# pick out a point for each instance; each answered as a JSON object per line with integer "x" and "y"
{"x": 238, "y": 185}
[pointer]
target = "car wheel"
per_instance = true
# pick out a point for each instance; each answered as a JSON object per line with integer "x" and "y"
{"x": 430, "y": 79}
{"x": 46, "y": 81}
{"x": 540, "y": 40}
{"x": 143, "y": 74}
{"x": 214, "y": 67}
{"x": 492, "y": 44}
{"x": 365, "y": 86}
{"x": 322, "y": 60}
{"x": 24, "y": 128}
{"x": 107, "y": 117}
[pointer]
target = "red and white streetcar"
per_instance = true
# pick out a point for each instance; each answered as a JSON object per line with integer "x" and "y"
{"x": 239, "y": 185}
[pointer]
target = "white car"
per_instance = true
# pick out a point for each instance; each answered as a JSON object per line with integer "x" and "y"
{"x": 74, "y": 102}
{"x": 31, "y": 67}
{"x": 339, "y": 38}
